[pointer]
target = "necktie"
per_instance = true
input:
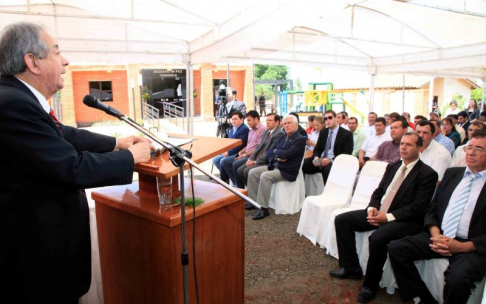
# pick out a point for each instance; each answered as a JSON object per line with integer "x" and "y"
{"x": 328, "y": 144}
{"x": 263, "y": 146}
{"x": 58, "y": 123}
{"x": 390, "y": 195}
{"x": 458, "y": 207}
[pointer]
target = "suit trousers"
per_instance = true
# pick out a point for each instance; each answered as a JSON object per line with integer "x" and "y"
{"x": 217, "y": 160}
{"x": 463, "y": 271}
{"x": 309, "y": 168}
{"x": 348, "y": 223}
{"x": 230, "y": 166}
{"x": 242, "y": 175}
{"x": 260, "y": 183}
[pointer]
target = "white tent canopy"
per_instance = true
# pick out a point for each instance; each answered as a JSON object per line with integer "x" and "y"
{"x": 430, "y": 37}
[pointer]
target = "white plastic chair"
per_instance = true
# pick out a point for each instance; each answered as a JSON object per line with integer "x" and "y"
{"x": 337, "y": 193}
{"x": 314, "y": 185}
{"x": 432, "y": 273}
{"x": 368, "y": 181}
{"x": 287, "y": 197}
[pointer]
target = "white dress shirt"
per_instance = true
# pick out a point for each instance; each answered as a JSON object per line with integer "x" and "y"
{"x": 437, "y": 157}
{"x": 42, "y": 100}
{"x": 371, "y": 144}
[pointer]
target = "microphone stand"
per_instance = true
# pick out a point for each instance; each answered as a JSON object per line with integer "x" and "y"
{"x": 178, "y": 158}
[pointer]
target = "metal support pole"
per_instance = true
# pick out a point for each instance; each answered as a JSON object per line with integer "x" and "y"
{"x": 482, "y": 96}
{"x": 254, "y": 101}
{"x": 134, "y": 108}
{"x": 372, "y": 92}
{"x": 431, "y": 95}
{"x": 189, "y": 98}
{"x": 403, "y": 95}
{"x": 228, "y": 77}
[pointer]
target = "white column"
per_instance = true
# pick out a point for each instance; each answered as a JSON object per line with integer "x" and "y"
{"x": 403, "y": 94}
{"x": 189, "y": 98}
{"x": 372, "y": 92}
{"x": 431, "y": 96}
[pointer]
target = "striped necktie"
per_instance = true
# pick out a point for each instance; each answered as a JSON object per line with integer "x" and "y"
{"x": 458, "y": 207}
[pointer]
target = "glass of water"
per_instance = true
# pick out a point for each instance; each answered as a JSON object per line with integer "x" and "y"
{"x": 164, "y": 190}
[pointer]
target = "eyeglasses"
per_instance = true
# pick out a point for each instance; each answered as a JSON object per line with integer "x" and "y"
{"x": 328, "y": 117}
{"x": 478, "y": 150}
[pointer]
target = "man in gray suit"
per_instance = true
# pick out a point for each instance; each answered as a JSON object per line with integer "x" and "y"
{"x": 259, "y": 156}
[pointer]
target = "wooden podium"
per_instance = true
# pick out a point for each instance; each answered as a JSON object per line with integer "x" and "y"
{"x": 141, "y": 244}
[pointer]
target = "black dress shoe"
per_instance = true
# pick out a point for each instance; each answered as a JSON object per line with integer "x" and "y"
{"x": 261, "y": 214}
{"x": 249, "y": 206}
{"x": 366, "y": 294}
{"x": 347, "y": 273}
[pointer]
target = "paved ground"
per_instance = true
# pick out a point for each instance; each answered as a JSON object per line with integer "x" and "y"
{"x": 280, "y": 265}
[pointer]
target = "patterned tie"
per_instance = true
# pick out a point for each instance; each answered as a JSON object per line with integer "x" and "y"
{"x": 58, "y": 123}
{"x": 328, "y": 144}
{"x": 385, "y": 204}
{"x": 458, "y": 207}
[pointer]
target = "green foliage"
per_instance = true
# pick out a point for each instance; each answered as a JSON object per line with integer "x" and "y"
{"x": 270, "y": 72}
{"x": 189, "y": 201}
{"x": 461, "y": 103}
{"x": 298, "y": 84}
{"x": 477, "y": 94}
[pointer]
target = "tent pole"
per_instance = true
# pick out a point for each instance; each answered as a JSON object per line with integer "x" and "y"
{"x": 189, "y": 99}
{"x": 372, "y": 92}
{"x": 482, "y": 96}
{"x": 254, "y": 95}
{"x": 228, "y": 77}
{"x": 431, "y": 95}
{"x": 403, "y": 94}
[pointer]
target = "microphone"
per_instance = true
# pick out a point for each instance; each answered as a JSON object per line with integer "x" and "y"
{"x": 93, "y": 102}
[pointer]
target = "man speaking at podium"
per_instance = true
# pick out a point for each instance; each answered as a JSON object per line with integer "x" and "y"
{"x": 45, "y": 254}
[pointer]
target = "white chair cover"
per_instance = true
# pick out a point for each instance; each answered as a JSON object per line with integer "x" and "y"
{"x": 314, "y": 185}
{"x": 337, "y": 193}
{"x": 289, "y": 195}
{"x": 368, "y": 181}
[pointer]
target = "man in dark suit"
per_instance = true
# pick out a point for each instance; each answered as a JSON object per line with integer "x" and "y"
{"x": 328, "y": 147}
{"x": 239, "y": 131}
{"x": 396, "y": 209}
{"x": 284, "y": 165}
{"x": 259, "y": 157}
{"x": 455, "y": 228}
{"x": 45, "y": 254}
{"x": 464, "y": 123}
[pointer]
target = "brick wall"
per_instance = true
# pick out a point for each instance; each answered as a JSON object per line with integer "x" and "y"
{"x": 196, "y": 82}
{"x": 119, "y": 83}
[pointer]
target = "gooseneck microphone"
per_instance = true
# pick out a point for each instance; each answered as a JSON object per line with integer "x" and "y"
{"x": 93, "y": 102}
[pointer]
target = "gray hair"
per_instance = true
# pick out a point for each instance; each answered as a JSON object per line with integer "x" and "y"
{"x": 294, "y": 119}
{"x": 17, "y": 40}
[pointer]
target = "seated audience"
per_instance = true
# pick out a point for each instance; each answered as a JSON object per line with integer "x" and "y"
{"x": 483, "y": 114}
{"x": 453, "y": 109}
{"x": 239, "y": 131}
{"x": 473, "y": 110}
{"x": 455, "y": 229}
{"x": 284, "y": 165}
{"x": 259, "y": 156}
{"x": 341, "y": 120}
{"x": 391, "y": 118}
{"x": 371, "y": 144}
{"x": 310, "y": 121}
{"x": 231, "y": 163}
{"x": 333, "y": 141}
{"x": 396, "y": 209}
{"x": 418, "y": 118}
{"x": 434, "y": 116}
{"x": 463, "y": 122}
{"x": 407, "y": 117}
{"x": 314, "y": 136}
{"x": 300, "y": 130}
{"x": 433, "y": 153}
{"x": 358, "y": 136}
{"x": 369, "y": 128}
{"x": 459, "y": 157}
{"x": 456, "y": 127}
{"x": 449, "y": 131}
{"x": 445, "y": 141}
{"x": 389, "y": 151}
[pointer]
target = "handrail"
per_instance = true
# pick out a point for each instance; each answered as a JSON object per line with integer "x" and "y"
{"x": 151, "y": 115}
{"x": 173, "y": 111}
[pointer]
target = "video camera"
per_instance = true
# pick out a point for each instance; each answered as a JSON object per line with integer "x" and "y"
{"x": 222, "y": 93}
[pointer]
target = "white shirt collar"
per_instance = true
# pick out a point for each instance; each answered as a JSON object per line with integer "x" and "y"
{"x": 42, "y": 100}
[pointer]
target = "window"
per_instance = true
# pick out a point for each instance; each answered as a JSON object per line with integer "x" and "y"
{"x": 101, "y": 90}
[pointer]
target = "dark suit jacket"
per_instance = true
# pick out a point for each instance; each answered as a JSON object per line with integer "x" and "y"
{"x": 241, "y": 133}
{"x": 266, "y": 145}
{"x": 45, "y": 254}
{"x": 237, "y": 106}
{"x": 291, "y": 149}
{"x": 343, "y": 144}
{"x": 413, "y": 197}
{"x": 466, "y": 127}
{"x": 435, "y": 214}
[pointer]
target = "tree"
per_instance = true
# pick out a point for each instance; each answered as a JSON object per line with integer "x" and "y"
{"x": 298, "y": 84}
{"x": 270, "y": 72}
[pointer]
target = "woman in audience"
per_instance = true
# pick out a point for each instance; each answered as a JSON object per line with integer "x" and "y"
{"x": 449, "y": 131}
{"x": 311, "y": 128}
{"x": 407, "y": 117}
{"x": 473, "y": 111}
{"x": 314, "y": 136}
{"x": 452, "y": 109}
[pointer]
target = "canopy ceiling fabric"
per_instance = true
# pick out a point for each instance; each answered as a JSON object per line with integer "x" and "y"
{"x": 428, "y": 38}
